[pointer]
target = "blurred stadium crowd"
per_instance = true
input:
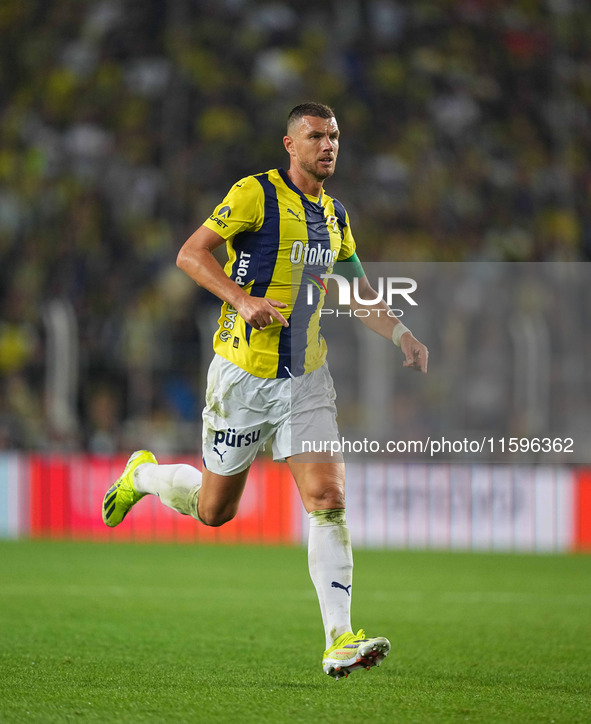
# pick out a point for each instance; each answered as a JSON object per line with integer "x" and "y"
{"x": 465, "y": 136}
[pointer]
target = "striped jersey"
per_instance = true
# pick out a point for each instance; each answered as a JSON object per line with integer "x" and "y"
{"x": 279, "y": 241}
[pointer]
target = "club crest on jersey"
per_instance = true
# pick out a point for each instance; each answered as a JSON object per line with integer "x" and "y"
{"x": 334, "y": 222}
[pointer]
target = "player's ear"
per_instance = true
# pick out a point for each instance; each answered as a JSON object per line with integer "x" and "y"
{"x": 288, "y": 143}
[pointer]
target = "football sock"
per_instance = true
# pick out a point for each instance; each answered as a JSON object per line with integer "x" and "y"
{"x": 177, "y": 486}
{"x": 330, "y": 560}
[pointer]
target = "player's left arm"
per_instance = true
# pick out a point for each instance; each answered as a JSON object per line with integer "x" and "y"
{"x": 379, "y": 321}
{"x": 388, "y": 326}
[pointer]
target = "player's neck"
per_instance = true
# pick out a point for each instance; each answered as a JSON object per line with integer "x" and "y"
{"x": 306, "y": 184}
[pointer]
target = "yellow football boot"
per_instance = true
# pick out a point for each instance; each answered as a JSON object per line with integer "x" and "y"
{"x": 352, "y": 651}
{"x": 122, "y": 496}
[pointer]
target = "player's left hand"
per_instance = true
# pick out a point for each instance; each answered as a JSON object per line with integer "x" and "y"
{"x": 417, "y": 355}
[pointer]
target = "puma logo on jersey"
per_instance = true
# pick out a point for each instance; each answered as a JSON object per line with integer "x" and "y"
{"x": 289, "y": 211}
{"x": 221, "y": 454}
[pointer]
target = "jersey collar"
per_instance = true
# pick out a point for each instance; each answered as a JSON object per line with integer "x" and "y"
{"x": 293, "y": 187}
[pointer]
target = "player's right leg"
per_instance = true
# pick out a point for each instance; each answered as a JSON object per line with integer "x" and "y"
{"x": 210, "y": 498}
{"x": 123, "y": 494}
{"x": 232, "y": 435}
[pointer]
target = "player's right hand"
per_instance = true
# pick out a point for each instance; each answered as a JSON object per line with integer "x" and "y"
{"x": 259, "y": 312}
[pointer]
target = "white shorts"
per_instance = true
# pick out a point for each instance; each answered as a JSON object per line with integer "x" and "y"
{"x": 243, "y": 412}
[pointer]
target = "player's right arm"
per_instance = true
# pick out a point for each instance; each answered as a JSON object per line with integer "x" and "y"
{"x": 197, "y": 260}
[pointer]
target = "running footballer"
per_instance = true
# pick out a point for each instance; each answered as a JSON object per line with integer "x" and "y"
{"x": 269, "y": 381}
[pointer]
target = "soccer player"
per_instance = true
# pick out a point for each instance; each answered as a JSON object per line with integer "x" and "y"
{"x": 268, "y": 381}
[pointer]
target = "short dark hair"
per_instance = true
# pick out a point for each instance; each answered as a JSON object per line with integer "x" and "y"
{"x": 309, "y": 109}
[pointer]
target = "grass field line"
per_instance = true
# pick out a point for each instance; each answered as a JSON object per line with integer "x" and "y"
{"x": 152, "y": 592}
{"x": 133, "y": 591}
{"x": 477, "y": 597}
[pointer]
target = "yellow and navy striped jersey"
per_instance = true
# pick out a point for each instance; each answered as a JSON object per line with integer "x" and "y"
{"x": 279, "y": 241}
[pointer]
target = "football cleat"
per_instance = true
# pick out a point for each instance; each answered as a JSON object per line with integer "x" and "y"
{"x": 122, "y": 495}
{"x": 351, "y": 652}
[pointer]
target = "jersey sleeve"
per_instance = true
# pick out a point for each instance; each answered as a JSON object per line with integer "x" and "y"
{"x": 241, "y": 210}
{"x": 349, "y": 268}
{"x": 347, "y": 264}
{"x": 348, "y": 246}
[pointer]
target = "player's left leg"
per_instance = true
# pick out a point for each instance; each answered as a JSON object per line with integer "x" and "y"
{"x": 322, "y": 489}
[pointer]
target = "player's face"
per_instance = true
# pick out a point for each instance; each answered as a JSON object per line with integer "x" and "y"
{"x": 313, "y": 145}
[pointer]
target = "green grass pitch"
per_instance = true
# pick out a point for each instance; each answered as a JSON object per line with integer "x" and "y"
{"x": 165, "y": 633}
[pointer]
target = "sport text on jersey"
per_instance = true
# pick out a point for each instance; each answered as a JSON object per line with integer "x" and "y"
{"x": 242, "y": 270}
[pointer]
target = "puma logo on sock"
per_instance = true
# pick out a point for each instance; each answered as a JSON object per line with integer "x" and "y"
{"x": 335, "y": 584}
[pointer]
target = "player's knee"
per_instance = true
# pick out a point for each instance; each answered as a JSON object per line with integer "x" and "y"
{"x": 216, "y": 518}
{"x": 326, "y": 497}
